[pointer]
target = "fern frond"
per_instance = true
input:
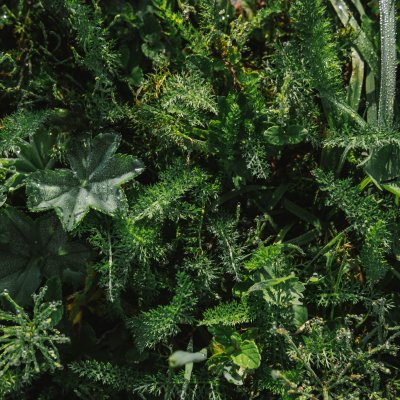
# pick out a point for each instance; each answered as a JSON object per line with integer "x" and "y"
{"x": 231, "y": 251}
{"x": 318, "y": 46}
{"x": 120, "y": 378}
{"x": 162, "y": 200}
{"x": 376, "y": 247}
{"x": 161, "y": 323}
{"x": 18, "y": 126}
{"x": 98, "y": 56}
{"x": 230, "y": 314}
{"x": 362, "y": 211}
{"x": 183, "y": 106}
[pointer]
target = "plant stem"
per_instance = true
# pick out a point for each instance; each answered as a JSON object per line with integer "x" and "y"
{"x": 388, "y": 63}
{"x": 325, "y": 393}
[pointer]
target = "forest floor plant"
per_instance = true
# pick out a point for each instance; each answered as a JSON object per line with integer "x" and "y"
{"x": 199, "y": 199}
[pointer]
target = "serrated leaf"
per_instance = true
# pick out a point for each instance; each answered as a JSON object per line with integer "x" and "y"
{"x": 31, "y": 250}
{"x": 248, "y": 355}
{"x": 37, "y": 154}
{"x": 280, "y": 136}
{"x": 93, "y": 182}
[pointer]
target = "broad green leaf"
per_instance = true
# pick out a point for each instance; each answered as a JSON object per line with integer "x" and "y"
{"x": 37, "y": 153}
{"x": 383, "y": 166}
{"x": 93, "y": 182}
{"x": 248, "y": 355}
{"x": 392, "y": 188}
{"x": 280, "y": 136}
{"x": 33, "y": 249}
{"x": 33, "y": 155}
{"x": 300, "y": 315}
{"x": 223, "y": 334}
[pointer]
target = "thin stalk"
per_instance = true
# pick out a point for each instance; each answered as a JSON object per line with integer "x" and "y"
{"x": 388, "y": 63}
{"x": 325, "y": 393}
{"x": 110, "y": 265}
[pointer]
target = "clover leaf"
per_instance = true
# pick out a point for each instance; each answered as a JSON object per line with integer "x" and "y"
{"x": 31, "y": 250}
{"x": 93, "y": 182}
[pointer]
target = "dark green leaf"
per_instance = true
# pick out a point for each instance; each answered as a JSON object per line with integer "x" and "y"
{"x": 93, "y": 182}
{"x": 31, "y": 250}
{"x": 248, "y": 356}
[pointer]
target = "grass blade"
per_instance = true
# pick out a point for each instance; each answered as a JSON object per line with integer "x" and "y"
{"x": 388, "y": 63}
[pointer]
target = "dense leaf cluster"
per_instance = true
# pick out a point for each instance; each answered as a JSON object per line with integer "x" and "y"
{"x": 199, "y": 199}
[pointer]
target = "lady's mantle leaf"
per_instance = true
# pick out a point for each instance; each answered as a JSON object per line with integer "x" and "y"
{"x": 93, "y": 182}
{"x": 31, "y": 250}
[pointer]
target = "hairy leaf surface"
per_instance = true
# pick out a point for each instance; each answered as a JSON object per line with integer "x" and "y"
{"x": 93, "y": 182}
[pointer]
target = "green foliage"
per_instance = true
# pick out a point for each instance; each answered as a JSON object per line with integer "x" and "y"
{"x": 159, "y": 324}
{"x": 318, "y": 44}
{"x": 98, "y": 56}
{"x": 93, "y": 182}
{"x": 105, "y": 373}
{"x": 231, "y": 252}
{"x": 163, "y": 200}
{"x": 34, "y": 249}
{"x": 372, "y": 255}
{"x": 230, "y": 314}
{"x": 178, "y": 108}
{"x": 333, "y": 363}
{"x": 233, "y": 355}
{"x": 362, "y": 211}
{"x": 256, "y": 255}
{"x": 367, "y": 218}
{"x": 28, "y": 344}
{"x": 18, "y": 126}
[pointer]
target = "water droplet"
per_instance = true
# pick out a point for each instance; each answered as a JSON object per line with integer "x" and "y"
{"x": 53, "y": 354}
